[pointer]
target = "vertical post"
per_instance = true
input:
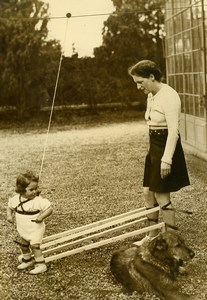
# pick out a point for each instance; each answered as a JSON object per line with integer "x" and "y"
{"x": 204, "y": 67}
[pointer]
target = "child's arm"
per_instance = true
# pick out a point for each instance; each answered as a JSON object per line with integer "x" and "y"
{"x": 10, "y": 213}
{"x": 46, "y": 213}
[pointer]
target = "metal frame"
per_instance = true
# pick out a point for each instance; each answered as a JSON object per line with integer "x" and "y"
{"x": 194, "y": 100}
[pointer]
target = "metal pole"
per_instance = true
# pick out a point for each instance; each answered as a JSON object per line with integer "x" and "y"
{"x": 204, "y": 66}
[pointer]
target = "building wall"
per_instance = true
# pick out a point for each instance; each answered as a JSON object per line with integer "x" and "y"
{"x": 186, "y": 65}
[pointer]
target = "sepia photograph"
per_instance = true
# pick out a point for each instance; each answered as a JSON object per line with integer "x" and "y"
{"x": 103, "y": 149}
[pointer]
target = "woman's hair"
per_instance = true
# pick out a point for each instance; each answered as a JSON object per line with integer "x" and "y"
{"x": 145, "y": 68}
{"x": 23, "y": 180}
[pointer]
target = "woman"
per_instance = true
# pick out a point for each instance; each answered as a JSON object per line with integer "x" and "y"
{"x": 165, "y": 168}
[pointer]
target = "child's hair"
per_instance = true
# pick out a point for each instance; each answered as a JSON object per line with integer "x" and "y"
{"x": 23, "y": 180}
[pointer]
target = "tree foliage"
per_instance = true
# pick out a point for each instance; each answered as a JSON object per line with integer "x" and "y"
{"x": 133, "y": 32}
{"x": 136, "y": 31}
{"x": 24, "y": 53}
{"x": 29, "y": 62}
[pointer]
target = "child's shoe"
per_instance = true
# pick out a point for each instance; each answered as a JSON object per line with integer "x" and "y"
{"x": 39, "y": 268}
{"x": 26, "y": 263}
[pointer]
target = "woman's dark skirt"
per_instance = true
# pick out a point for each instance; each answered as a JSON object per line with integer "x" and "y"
{"x": 178, "y": 177}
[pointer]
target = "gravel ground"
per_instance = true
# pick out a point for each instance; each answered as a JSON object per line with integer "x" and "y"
{"x": 89, "y": 175}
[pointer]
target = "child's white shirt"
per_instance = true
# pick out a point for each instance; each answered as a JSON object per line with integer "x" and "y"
{"x": 28, "y": 230}
{"x": 38, "y": 203}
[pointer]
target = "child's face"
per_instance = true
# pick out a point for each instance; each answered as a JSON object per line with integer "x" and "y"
{"x": 31, "y": 190}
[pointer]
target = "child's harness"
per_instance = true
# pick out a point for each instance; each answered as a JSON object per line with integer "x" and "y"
{"x": 22, "y": 211}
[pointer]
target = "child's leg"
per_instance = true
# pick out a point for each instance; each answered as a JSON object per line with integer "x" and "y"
{"x": 40, "y": 265}
{"x": 24, "y": 246}
{"x": 27, "y": 260}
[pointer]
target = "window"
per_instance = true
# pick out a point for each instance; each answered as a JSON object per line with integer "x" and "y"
{"x": 186, "y": 18}
{"x": 184, "y": 55}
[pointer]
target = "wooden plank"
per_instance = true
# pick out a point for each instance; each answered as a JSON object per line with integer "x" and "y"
{"x": 97, "y": 228}
{"x": 104, "y": 242}
{"x": 91, "y": 225}
{"x": 90, "y": 237}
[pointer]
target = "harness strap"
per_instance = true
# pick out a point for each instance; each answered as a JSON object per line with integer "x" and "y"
{"x": 26, "y": 260}
{"x": 22, "y": 202}
{"x": 165, "y": 207}
{"x": 27, "y": 212}
{"x": 22, "y": 245}
{"x": 171, "y": 226}
{"x": 35, "y": 247}
{"x": 155, "y": 205}
{"x": 23, "y": 212}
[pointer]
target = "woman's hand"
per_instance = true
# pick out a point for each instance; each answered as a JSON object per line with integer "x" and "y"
{"x": 165, "y": 169}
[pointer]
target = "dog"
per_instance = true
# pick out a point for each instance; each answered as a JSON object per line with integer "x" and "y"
{"x": 153, "y": 267}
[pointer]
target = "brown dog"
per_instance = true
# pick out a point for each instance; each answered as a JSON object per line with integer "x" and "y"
{"x": 153, "y": 267}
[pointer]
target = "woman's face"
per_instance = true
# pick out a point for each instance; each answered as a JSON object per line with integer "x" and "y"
{"x": 144, "y": 84}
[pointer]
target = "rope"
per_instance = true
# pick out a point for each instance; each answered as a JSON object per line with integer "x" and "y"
{"x": 54, "y": 97}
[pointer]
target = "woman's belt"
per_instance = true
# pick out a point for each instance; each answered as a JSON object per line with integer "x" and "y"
{"x": 163, "y": 131}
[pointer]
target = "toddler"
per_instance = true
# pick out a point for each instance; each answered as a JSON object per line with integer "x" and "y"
{"x": 30, "y": 210}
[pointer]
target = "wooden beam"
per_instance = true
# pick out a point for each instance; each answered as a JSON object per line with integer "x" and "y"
{"x": 92, "y": 225}
{"x": 91, "y": 237}
{"x": 97, "y": 227}
{"x": 104, "y": 242}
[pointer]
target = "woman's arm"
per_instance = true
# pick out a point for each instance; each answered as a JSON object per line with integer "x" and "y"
{"x": 172, "y": 107}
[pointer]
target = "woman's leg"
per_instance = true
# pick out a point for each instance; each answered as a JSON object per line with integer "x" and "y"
{"x": 163, "y": 199}
{"x": 150, "y": 202}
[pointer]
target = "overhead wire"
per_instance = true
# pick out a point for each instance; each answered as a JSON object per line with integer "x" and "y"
{"x": 127, "y": 12}
{"x": 122, "y": 12}
{"x": 53, "y": 100}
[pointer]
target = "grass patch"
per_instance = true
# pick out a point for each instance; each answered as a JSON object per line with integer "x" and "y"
{"x": 90, "y": 174}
